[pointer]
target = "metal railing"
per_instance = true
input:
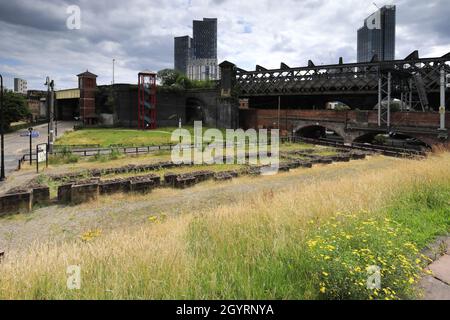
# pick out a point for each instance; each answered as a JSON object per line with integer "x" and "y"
{"x": 92, "y": 152}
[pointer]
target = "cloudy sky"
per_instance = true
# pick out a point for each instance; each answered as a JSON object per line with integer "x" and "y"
{"x": 35, "y": 41}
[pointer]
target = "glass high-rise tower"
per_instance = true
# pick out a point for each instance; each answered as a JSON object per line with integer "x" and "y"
{"x": 197, "y": 57}
{"x": 183, "y": 53}
{"x": 377, "y": 36}
{"x": 205, "y": 38}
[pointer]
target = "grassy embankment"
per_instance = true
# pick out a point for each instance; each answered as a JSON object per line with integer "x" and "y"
{"x": 106, "y": 138}
{"x": 310, "y": 243}
{"x": 121, "y": 137}
{"x": 127, "y": 137}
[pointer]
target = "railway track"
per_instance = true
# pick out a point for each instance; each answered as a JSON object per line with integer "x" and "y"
{"x": 384, "y": 150}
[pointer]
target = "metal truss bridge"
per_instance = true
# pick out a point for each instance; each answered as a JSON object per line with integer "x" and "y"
{"x": 359, "y": 78}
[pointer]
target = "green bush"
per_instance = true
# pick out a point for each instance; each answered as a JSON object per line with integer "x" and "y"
{"x": 380, "y": 139}
{"x": 114, "y": 155}
{"x": 15, "y": 108}
{"x": 64, "y": 157}
{"x": 344, "y": 249}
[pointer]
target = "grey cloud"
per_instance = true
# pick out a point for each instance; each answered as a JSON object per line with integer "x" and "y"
{"x": 34, "y": 14}
{"x": 139, "y": 33}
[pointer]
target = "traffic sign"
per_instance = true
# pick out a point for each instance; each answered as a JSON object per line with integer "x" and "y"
{"x": 34, "y": 134}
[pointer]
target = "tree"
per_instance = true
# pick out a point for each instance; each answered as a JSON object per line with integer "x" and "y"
{"x": 15, "y": 108}
{"x": 183, "y": 81}
{"x": 169, "y": 77}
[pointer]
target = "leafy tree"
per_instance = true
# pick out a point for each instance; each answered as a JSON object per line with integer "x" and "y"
{"x": 168, "y": 77}
{"x": 184, "y": 81}
{"x": 203, "y": 84}
{"x": 15, "y": 108}
{"x": 177, "y": 80}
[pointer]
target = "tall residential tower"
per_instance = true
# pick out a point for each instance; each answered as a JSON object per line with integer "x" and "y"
{"x": 377, "y": 36}
{"x": 205, "y": 38}
{"x": 183, "y": 53}
{"x": 197, "y": 57}
{"x": 20, "y": 86}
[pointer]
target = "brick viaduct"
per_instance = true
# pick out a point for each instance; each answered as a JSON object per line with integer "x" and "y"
{"x": 350, "y": 125}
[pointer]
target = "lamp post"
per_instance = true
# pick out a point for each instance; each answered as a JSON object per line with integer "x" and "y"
{"x": 30, "y": 130}
{"x": 2, "y": 170}
{"x": 113, "y": 79}
{"x": 51, "y": 112}
{"x": 47, "y": 83}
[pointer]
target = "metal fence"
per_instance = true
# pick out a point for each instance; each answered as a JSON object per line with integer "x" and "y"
{"x": 95, "y": 151}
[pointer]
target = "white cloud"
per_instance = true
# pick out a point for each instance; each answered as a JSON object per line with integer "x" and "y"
{"x": 139, "y": 34}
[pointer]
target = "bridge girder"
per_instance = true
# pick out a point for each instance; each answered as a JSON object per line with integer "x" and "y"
{"x": 340, "y": 78}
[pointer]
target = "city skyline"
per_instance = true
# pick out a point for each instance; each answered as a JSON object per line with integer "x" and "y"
{"x": 252, "y": 33}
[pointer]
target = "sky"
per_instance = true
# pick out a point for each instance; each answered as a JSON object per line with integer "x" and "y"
{"x": 35, "y": 41}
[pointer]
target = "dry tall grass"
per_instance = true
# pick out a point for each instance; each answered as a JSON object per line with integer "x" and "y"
{"x": 183, "y": 257}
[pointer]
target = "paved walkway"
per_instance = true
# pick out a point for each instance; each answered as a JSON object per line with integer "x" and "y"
{"x": 437, "y": 285}
{"x": 16, "y": 146}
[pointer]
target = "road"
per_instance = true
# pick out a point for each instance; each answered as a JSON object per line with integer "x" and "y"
{"x": 16, "y": 146}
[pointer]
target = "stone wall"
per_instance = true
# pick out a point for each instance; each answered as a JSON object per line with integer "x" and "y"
{"x": 15, "y": 203}
{"x": 80, "y": 191}
{"x": 254, "y": 118}
{"x": 171, "y": 106}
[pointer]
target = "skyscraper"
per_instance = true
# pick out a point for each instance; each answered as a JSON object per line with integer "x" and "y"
{"x": 205, "y": 39}
{"x": 197, "y": 57}
{"x": 377, "y": 36}
{"x": 183, "y": 53}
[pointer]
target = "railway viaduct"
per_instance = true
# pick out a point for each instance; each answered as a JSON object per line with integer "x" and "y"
{"x": 294, "y": 99}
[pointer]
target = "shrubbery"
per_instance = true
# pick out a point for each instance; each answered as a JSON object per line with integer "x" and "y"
{"x": 64, "y": 157}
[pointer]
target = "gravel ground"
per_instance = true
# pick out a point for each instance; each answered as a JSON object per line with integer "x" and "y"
{"x": 66, "y": 223}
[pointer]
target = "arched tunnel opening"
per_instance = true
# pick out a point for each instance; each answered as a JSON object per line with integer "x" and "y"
{"x": 397, "y": 140}
{"x": 194, "y": 111}
{"x": 318, "y": 132}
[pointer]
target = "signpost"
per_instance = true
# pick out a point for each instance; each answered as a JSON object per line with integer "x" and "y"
{"x": 41, "y": 155}
{"x": 32, "y": 134}
{"x": 30, "y": 130}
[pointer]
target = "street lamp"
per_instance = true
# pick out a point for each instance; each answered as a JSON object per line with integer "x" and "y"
{"x": 114, "y": 62}
{"x": 2, "y": 123}
{"x": 51, "y": 111}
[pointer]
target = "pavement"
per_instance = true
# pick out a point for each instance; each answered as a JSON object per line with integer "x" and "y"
{"x": 16, "y": 146}
{"x": 437, "y": 285}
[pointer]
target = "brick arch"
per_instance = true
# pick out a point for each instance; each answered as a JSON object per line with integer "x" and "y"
{"x": 336, "y": 127}
{"x": 195, "y": 109}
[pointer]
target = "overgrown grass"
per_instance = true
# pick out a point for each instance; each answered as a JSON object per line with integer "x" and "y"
{"x": 313, "y": 243}
{"x": 113, "y": 137}
{"x": 113, "y": 155}
{"x": 121, "y": 137}
{"x": 65, "y": 157}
